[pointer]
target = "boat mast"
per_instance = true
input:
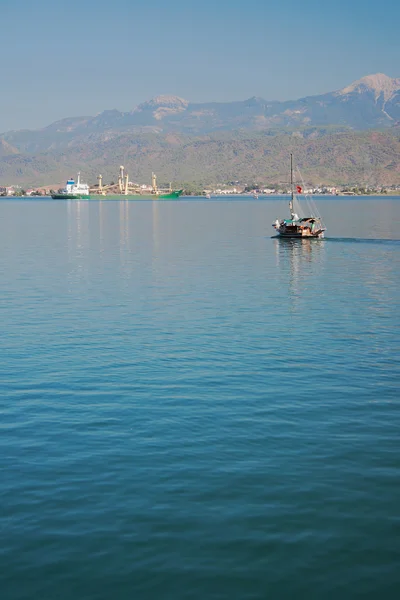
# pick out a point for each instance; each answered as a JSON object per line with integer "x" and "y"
{"x": 291, "y": 187}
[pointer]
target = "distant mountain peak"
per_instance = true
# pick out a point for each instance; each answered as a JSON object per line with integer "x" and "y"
{"x": 164, "y": 102}
{"x": 162, "y": 106}
{"x": 378, "y": 83}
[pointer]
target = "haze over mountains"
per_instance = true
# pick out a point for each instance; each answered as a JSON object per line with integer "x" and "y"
{"x": 372, "y": 102}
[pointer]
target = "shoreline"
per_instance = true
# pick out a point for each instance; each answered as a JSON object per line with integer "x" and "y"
{"x": 216, "y": 197}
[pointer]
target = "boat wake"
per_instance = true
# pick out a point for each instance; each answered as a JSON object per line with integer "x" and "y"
{"x": 341, "y": 240}
{"x": 349, "y": 240}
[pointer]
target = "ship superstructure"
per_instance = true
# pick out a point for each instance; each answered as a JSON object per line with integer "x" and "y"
{"x": 73, "y": 191}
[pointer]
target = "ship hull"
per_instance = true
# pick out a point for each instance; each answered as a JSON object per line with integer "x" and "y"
{"x": 70, "y": 196}
{"x": 169, "y": 196}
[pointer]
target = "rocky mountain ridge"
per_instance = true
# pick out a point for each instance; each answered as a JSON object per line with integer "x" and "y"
{"x": 371, "y": 102}
{"x": 205, "y": 142}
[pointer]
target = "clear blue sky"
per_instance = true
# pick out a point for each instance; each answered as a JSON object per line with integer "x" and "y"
{"x": 64, "y": 58}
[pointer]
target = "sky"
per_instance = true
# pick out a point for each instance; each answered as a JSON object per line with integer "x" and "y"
{"x": 64, "y": 58}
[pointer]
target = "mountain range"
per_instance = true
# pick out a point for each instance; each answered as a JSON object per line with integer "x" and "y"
{"x": 156, "y": 133}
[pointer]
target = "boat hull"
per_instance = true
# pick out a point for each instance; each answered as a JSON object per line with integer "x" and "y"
{"x": 300, "y": 236}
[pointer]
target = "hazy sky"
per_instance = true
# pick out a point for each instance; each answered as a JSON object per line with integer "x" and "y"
{"x": 64, "y": 58}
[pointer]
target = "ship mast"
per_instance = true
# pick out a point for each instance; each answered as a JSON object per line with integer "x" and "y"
{"x": 291, "y": 187}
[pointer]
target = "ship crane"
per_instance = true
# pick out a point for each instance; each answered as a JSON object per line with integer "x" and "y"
{"x": 124, "y": 187}
{"x": 121, "y": 178}
{"x": 154, "y": 182}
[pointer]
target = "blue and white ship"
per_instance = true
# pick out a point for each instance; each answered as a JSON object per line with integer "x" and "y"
{"x": 73, "y": 191}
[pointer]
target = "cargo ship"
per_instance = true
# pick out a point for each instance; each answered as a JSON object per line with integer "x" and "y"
{"x": 123, "y": 190}
{"x": 73, "y": 191}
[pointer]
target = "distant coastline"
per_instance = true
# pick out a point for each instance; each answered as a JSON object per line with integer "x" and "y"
{"x": 228, "y": 188}
{"x": 215, "y": 196}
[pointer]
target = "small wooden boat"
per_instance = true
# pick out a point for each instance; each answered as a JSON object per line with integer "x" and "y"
{"x": 298, "y": 226}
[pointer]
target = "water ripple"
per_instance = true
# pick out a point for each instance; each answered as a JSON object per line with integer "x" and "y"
{"x": 191, "y": 409}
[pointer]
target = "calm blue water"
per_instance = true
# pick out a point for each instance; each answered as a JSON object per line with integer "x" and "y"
{"x": 191, "y": 409}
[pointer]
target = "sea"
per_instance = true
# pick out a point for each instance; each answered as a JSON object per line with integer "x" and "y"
{"x": 191, "y": 408}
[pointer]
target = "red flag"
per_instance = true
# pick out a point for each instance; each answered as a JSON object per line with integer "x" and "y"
{"x": 298, "y": 188}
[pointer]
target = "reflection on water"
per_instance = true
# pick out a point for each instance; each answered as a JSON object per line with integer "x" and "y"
{"x": 155, "y": 227}
{"x": 298, "y": 249}
{"x": 101, "y": 225}
{"x": 124, "y": 249}
{"x": 299, "y": 260}
{"x": 78, "y": 237}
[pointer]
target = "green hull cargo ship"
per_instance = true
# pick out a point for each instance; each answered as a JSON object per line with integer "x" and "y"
{"x": 123, "y": 190}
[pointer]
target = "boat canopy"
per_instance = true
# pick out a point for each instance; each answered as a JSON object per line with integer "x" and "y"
{"x": 308, "y": 220}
